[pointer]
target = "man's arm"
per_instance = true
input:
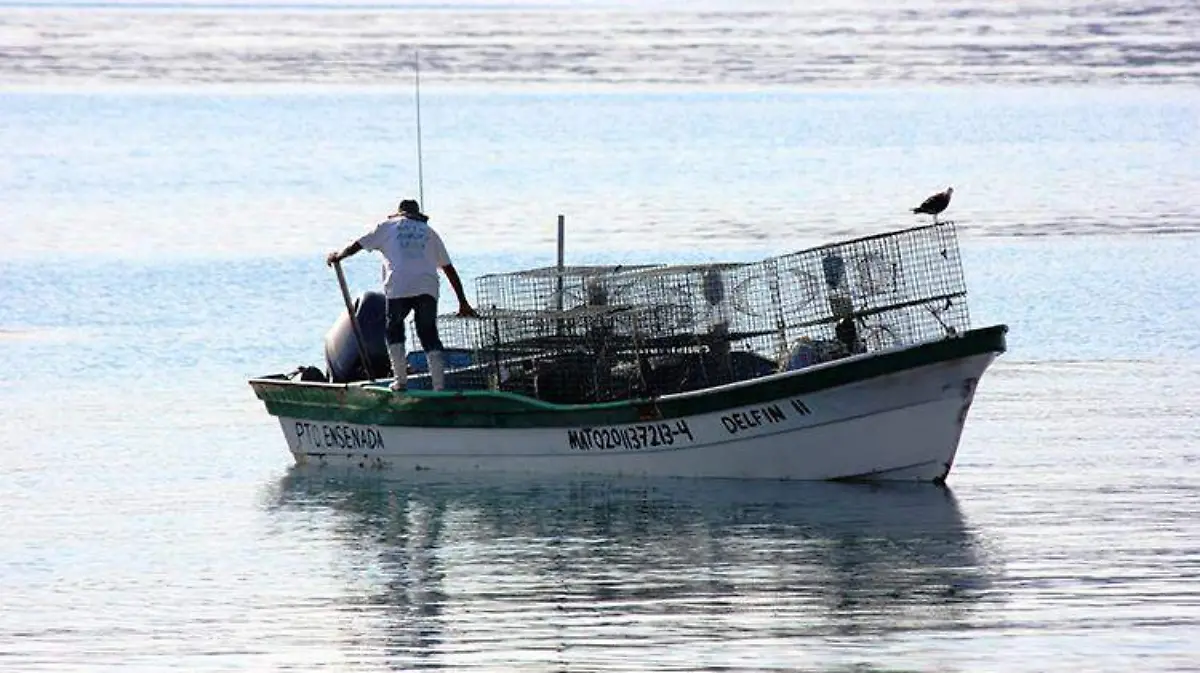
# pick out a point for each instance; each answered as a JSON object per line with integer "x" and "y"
{"x": 343, "y": 254}
{"x": 464, "y": 307}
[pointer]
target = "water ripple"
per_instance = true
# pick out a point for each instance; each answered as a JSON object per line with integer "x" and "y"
{"x": 803, "y": 44}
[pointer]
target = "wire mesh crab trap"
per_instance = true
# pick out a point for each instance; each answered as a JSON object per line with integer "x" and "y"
{"x": 872, "y": 293}
{"x": 549, "y": 288}
{"x": 602, "y": 333}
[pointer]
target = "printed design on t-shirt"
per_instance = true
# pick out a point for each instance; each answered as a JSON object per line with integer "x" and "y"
{"x": 412, "y": 239}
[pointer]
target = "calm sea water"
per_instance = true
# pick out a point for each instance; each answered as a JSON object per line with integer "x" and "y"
{"x": 171, "y": 180}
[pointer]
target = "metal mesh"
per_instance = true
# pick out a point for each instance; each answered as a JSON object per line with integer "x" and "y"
{"x": 901, "y": 288}
{"x": 546, "y": 289}
{"x": 592, "y": 334}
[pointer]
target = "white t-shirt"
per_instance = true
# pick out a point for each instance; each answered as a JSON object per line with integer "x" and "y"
{"x": 412, "y": 253}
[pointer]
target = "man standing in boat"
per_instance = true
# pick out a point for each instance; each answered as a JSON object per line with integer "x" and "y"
{"x": 412, "y": 252}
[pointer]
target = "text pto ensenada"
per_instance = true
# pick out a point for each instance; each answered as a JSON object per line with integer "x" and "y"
{"x": 322, "y": 436}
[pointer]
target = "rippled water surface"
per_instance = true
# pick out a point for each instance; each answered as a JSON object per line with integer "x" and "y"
{"x": 625, "y": 43}
{"x": 201, "y": 173}
{"x": 166, "y": 209}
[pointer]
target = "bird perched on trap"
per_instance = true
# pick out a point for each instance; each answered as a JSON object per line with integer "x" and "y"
{"x": 935, "y": 204}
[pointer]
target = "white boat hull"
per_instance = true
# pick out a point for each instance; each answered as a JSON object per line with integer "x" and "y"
{"x": 902, "y": 426}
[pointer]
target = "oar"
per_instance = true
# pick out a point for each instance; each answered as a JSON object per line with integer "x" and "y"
{"x": 358, "y": 337}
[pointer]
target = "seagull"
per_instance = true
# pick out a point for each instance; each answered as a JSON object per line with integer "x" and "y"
{"x": 935, "y": 204}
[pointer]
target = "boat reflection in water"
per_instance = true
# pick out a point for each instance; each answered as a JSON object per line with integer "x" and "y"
{"x": 454, "y": 572}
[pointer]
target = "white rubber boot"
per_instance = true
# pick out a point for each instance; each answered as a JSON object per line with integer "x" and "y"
{"x": 437, "y": 369}
{"x": 399, "y": 357}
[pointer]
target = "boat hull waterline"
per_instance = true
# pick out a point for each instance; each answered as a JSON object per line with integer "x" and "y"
{"x": 903, "y": 424}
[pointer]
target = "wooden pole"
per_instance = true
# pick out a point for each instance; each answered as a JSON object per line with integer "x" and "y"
{"x": 561, "y": 249}
{"x": 496, "y": 348}
{"x": 558, "y": 294}
{"x": 358, "y": 337}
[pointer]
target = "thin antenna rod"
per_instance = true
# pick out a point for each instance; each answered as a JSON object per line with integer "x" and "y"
{"x": 420, "y": 166}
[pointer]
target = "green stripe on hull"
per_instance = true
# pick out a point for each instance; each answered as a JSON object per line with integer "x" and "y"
{"x": 376, "y": 405}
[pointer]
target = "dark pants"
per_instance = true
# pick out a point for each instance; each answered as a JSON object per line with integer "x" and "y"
{"x": 425, "y": 307}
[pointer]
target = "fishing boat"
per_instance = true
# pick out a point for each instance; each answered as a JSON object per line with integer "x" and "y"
{"x": 853, "y": 360}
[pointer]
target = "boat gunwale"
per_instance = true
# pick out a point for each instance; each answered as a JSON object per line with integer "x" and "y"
{"x": 371, "y": 402}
